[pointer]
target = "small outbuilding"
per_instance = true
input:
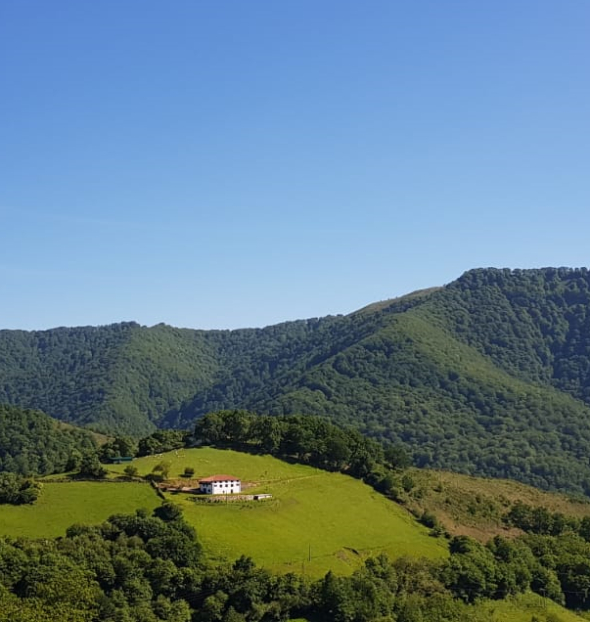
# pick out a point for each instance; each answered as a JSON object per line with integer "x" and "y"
{"x": 121, "y": 459}
{"x": 220, "y": 485}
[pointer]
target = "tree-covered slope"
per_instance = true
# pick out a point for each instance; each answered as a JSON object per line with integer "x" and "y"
{"x": 535, "y": 324}
{"x": 489, "y": 374}
{"x": 31, "y": 443}
{"x": 120, "y": 377}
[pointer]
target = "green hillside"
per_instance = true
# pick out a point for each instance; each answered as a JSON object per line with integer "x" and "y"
{"x": 489, "y": 374}
{"x": 331, "y": 518}
{"x": 312, "y": 552}
{"x": 122, "y": 377}
{"x": 523, "y": 608}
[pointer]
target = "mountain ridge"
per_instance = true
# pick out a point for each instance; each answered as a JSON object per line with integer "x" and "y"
{"x": 489, "y": 374}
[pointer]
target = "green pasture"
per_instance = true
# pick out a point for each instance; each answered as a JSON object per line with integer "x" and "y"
{"x": 315, "y": 522}
{"x": 207, "y": 461}
{"x": 520, "y": 608}
{"x": 524, "y": 608}
{"x": 63, "y": 504}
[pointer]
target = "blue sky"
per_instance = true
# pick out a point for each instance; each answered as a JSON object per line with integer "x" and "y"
{"x": 229, "y": 164}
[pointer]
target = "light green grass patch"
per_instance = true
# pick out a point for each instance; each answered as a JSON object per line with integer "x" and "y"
{"x": 63, "y": 504}
{"x": 334, "y": 519}
{"x": 523, "y": 607}
{"x": 207, "y": 461}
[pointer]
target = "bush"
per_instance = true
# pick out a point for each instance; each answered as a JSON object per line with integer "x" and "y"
{"x": 428, "y": 519}
{"x": 130, "y": 471}
{"x": 18, "y": 490}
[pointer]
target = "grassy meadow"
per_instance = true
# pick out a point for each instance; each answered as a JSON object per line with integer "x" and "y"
{"x": 474, "y": 506}
{"x": 524, "y": 608}
{"x": 63, "y": 504}
{"x": 315, "y": 522}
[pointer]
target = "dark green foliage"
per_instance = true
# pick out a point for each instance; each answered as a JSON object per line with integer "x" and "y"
{"x": 130, "y": 568}
{"x": 540, "y": 520}
{"x": 31, "y": 443}
{"x": 160, "y": 472}
{"x": 90, "y": 466}
{"x": 162, "y": 441}
{"x": 428, "y": 519}
{"x": 119, "y": 447}
{"x": 122, "y": 377}
{"x": 130, "y": 471}
{"x": 18, "y": 490}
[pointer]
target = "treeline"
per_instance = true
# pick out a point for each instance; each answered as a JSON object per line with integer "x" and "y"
{"x": 151, "y": 568}
{"x": 541, "y": 521}
{"x": 554, "y": 567}
{"x": 309, "y": 440}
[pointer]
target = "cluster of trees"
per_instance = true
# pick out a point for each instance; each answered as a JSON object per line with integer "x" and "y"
{"x": 18, "y": 490}
{"x": 162, "y": 441}
{"x": 555, "y": 567}
{"x": 539, "y": 520}
{"x": 309, "y": 440}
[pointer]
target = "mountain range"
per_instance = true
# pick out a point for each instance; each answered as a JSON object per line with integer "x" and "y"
{"x": 489, "y": 374}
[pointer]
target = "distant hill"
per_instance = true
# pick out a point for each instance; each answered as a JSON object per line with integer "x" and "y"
{"x": 489, "y": 374}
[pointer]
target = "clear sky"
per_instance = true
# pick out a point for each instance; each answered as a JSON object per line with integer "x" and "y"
{"x": 222, "y": 164}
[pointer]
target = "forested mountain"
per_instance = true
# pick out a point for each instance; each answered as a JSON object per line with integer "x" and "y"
{"x": 119, "y": 377}
{"x": 489, "y": 374}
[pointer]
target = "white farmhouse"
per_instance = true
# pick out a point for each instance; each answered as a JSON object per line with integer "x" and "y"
{"x": 220, "y": 485}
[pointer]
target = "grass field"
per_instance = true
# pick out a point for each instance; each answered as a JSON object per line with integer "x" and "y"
{"x": 521, "y": 608}
{"x": 315, "y": 522}
{"x": 63, "y": 504}
{"x": 524, "y": 608}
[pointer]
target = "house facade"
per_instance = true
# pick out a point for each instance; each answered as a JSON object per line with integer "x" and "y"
{"x": 220, "y": 485}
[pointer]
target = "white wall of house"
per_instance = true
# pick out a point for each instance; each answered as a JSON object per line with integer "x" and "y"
{"x": 221, "y": 488}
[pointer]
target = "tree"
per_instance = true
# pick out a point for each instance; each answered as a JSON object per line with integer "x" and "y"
{"x": 337, "y": 452}
{"x": 168, "y": 511}
{"x": 162, "y": 469}
{"x": 269, "y": 433}
{"x": 188, "y": 471}
{"x": 119, "y": 446}
{"x": 396, "y": 457}
{"x": 90, "y": 466}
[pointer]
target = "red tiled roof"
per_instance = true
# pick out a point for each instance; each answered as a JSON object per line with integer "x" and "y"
{"x": 218, "y": 478}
